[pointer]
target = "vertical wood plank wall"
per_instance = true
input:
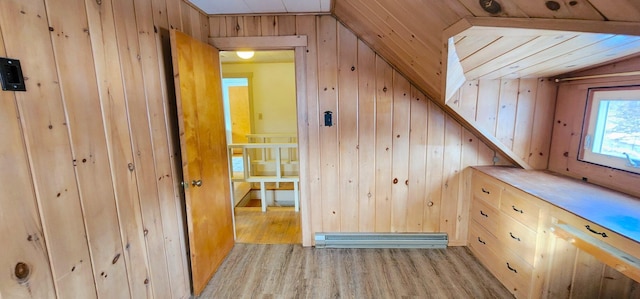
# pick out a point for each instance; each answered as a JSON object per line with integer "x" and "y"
{"x": 567, "y": 129}
{"x": 518, "y": 112}
{"x": 393, "y": 161}
{"x": 90, "y": 201}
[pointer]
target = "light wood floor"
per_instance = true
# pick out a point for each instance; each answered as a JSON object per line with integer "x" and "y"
{"x": 276, "y": 226}
{"x": 293, "y": 271}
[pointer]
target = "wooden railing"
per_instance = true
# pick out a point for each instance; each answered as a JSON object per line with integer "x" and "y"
{"x": 275, "y": 138}
{"x": 259, "y": 158}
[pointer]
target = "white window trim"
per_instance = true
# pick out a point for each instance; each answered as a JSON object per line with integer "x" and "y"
{"x": 589, "y": 136}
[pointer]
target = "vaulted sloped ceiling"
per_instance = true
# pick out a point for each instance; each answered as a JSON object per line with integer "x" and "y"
{"x": 411, "y": 36}
{"x": 409, "y": 33}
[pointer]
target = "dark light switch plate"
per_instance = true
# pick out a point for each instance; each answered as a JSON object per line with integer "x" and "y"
{"x": 11, "y": 75}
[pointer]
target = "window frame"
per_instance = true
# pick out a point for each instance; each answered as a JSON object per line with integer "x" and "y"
{"x": 592, "y": 117}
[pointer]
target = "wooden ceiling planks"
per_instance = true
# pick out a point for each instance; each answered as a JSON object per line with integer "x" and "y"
{"x": 372, "y": 27}
{"x": 407, "y": 35}
{"x": 603, "y": 57}
{"x": 558, "y": 65}
{"x": 509, "y": 9}
{"x": 513, "y": 69}
{"x": 539, "y": 43}
{"x": 470, "y": 44}
{"x": 491, "y": 51}
{"x": 501, "y": 46}
{"x": 576, "y": 9}
{"x": 413, "y": 25}
{"x": 618, "y": 10}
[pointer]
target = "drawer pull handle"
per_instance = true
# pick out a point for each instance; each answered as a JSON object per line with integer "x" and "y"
{"x": 483, "y": 214}
{"x": 485, "y": 191}
{"x": 512, "y": 269}
{"x": 483, "y": 242}
{"x": 519, "y": 211}
{"x": 514, "y": 237}
{"x": 603, "y": 234}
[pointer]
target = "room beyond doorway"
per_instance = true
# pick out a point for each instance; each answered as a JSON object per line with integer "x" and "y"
{"x": 261, "y": 125}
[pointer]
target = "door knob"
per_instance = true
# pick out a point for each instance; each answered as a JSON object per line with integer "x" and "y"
{"x": 197, "y": 183}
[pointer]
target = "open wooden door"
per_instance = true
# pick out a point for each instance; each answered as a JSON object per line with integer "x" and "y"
{"x": 204, "y": 155}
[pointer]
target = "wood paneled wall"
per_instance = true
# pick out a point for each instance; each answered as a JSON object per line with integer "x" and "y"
{"x": 90, "y": 201}
{"x": 518, "y": 112}
{"x": 567, "y": 128}
{"x": 393, "y": 161}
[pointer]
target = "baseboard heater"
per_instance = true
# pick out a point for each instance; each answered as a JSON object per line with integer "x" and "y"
{"x": 381, "y": 240}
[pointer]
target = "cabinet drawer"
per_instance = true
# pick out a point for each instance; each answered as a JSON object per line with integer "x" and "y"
{"x": 517, "y": 237}
{"x": 486, "y": 189}
{"x": 520, "y": 208}
{"x": 514, "y": 273}
{"x": 485, "y": 215}
{"x": 512, "y": 234}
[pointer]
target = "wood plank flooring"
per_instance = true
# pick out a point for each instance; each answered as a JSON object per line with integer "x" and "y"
{"x": 293, "y": 271}
{"x": 279, "y": 225}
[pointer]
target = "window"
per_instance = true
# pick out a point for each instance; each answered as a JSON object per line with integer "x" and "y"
{"x": 611, "y": 131}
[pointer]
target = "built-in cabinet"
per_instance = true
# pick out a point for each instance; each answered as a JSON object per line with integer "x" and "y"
{"x": 534, "y": 237}
{"x": 504, "y": 233}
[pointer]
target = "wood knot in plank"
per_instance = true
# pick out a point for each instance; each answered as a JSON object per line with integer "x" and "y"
{"x": 22, "y": 271}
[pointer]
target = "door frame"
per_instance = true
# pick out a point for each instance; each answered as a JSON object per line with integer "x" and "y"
{"x": 298, "y": 43}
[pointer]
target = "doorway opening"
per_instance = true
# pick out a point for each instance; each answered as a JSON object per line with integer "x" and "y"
{"x": 261, "y": 127}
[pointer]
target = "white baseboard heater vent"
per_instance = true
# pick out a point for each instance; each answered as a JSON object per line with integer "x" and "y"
{"x": 381, "y": 240}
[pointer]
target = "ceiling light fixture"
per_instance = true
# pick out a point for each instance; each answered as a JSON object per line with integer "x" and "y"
{"x": 490, "y": 6}
{"x": 245, "y": 54}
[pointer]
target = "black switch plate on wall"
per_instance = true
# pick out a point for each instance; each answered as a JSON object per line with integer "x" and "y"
{"x": 328, "y": 119}
{"x": 11, "y": 75}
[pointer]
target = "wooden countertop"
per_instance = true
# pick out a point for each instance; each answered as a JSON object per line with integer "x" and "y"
{"x": 613, "y": 210}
